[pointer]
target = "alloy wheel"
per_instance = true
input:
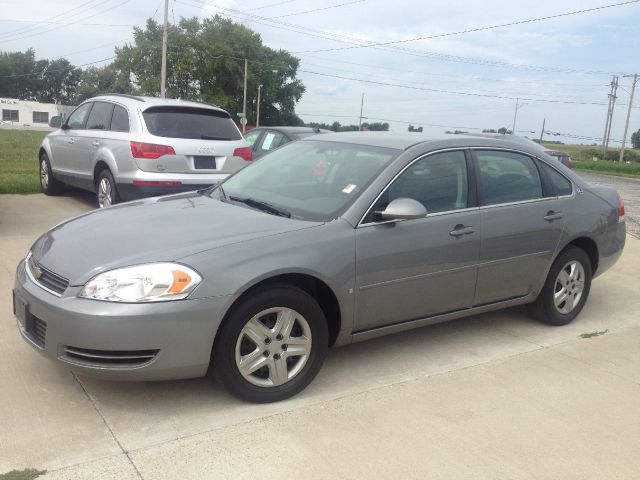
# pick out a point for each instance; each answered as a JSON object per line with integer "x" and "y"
{"x": 105, "y": 192}
{"x": 568, "y": 287}
{"x": 273, "y": 347}
{"x": 44, "y": 174}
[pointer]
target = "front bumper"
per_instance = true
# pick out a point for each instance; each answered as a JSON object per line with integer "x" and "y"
{"x": 120, "y": 341}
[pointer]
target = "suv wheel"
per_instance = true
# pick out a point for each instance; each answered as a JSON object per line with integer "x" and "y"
{"x": 272, "y": 345}
{"x": 106, "y": 191}
{"x": 48, "y": 183}
{"x": 566, "y": 289}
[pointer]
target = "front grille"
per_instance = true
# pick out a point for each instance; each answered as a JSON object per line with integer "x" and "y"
{"x": 37, "y": 330}
{"x": 90, "y": 357}
{"x": 48, "y": 279}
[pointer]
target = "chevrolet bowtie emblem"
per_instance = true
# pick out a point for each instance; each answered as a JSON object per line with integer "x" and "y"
{"x": 36, "y": 271}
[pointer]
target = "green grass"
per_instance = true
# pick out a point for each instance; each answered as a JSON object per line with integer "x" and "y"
{"x": 19, "y": 161}
{"x": 26, "y": 474}
{"x": 608, "y": 168}
{"x": 583, "y": 160}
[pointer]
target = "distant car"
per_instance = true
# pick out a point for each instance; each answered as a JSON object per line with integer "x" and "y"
{"x": 124, "y": 147}
{"x": 562, "y": 157}
{"x": 265, "y": 139}
{"x": 329, "y": 240}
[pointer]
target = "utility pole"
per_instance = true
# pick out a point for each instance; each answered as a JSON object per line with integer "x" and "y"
{"x": 361, "y": 105}
{"x": 163, "y": 71}
{"x": 515, "y": 117}
{"x": 544, "y": 120}
{"x": 244, "y": 102}
{"x": 626, "y": 125}
{"x": 607, "y": 125}
{"x": 258, "y": 107}
{"x": 613, "y": 104}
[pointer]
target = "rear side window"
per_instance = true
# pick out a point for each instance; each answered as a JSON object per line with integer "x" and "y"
{"x": 189, "y": 122}
{"x": 271, "y": 141}
{"x": 507, "y": 177}
{"x": 120, "y": 120}
{"x": 100, "y": 116}
{"x": 561, "y": 185}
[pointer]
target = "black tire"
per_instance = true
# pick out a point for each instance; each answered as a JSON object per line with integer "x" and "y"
{"x": 48, "y": 183}
{"x": 544, "y": 308}
{"x": 106, "y": 198}
{"x": 224, "y": 350}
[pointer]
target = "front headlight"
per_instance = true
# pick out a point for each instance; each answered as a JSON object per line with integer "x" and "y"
{"x": 152, "y": 282}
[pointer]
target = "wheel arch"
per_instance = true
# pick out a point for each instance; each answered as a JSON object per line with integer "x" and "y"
{"x": 589, "y": 246}
{"x": 311, "y": 284}
{"x": 99, "y": 167}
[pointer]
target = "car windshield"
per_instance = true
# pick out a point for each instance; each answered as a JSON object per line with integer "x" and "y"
{"x": 309, "y": 180}
{"x": 189, "y": 122}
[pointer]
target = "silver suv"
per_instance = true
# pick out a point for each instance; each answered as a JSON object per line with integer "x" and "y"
{"x": 124, "y": 147}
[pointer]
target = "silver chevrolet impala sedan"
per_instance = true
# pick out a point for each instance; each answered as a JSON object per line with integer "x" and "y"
{"x": 324, "y": 242}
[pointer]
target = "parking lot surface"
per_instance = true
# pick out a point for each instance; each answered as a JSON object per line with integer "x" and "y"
{"x": 495, "y": 396}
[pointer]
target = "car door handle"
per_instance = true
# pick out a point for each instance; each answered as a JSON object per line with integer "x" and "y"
{"x": 95, "y": 143}
{"x": 70, "y": 140}
{"x": 551, "y": 216}
{"x": 460, "y": 230}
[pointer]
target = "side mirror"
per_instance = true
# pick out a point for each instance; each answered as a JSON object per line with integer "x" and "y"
{"x": 55, "y": 121}
{"x": 403, "y": 209}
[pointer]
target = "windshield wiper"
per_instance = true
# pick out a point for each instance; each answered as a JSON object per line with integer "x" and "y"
{"x": 207, "y": 137}
{"x": 264, "y": 206}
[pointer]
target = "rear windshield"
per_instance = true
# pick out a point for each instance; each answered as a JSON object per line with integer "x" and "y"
{"x": 189, "y": 122}
{"x": 300, "y": 135}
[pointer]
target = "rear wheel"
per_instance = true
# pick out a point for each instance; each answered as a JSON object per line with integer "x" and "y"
{"x": 566, "y": 289}
{"x": 48, "y": 183}
{"x": 106, "y": 191}
{"x": 272, "y": 345}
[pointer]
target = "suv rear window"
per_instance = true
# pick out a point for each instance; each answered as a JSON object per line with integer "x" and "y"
{"x": 189, "y": 122}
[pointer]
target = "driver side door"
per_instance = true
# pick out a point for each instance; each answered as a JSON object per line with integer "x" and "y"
{"x": 413, "y": 269}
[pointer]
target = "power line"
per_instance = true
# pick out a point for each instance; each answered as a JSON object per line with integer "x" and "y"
{"x": 321, "y": 9}
{"x": 57, "y": 69}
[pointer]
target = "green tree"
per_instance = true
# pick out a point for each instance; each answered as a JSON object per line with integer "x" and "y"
{"x": 635, "y": 139}
{"x": 205, "y": 62}
{"x": 100, "y": 80}
{"x": 414, "y": 129}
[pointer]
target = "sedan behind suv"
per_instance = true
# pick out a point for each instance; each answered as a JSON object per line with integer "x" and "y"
{"x": 124, "y": 147}
{"x": 265, "y": 139}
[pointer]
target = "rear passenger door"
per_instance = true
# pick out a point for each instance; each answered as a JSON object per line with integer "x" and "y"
{"x": 522, "y": 220}
{"x": 91, "y": 139}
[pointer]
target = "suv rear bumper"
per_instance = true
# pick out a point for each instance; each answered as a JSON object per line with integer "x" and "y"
{"x": 128, "y": 191}
{"x": 146, "y": 184}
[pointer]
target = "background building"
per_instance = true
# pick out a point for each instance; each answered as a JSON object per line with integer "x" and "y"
{"x": 30, "y": 114}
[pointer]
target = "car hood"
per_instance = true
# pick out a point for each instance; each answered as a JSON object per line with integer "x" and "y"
{"x": 151, "y": 230}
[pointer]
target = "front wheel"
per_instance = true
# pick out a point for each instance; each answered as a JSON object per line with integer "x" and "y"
{"x": 272, "y": 345}
{"x": 48, "y": 183}
{"x": 566, "y": 289}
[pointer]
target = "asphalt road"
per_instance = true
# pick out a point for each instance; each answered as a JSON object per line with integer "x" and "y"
{"x": 495, "y": 396}
{"x": 629, "y": 190}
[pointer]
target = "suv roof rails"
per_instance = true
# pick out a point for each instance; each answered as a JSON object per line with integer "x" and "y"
{"x": 126, "y": 95}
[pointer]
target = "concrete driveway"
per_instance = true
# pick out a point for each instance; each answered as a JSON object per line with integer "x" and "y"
{"x": 496, "y": 396}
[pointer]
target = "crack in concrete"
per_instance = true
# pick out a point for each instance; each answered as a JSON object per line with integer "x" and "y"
{"x": 104, "y": 420}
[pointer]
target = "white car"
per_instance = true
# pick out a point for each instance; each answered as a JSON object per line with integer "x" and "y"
{"x": 124, "y": 147}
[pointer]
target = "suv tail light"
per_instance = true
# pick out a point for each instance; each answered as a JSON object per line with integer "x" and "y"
{"x": 620, "y": 207}
{"x": 150, "y": 150}
{"x": 570, "y": 163}
{"x": 244, "y": 153}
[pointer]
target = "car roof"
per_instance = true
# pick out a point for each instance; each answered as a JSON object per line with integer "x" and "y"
{"x": 143, "y": 103}
{"x": 288, "y": 129}
{"x": 404, "y": 141}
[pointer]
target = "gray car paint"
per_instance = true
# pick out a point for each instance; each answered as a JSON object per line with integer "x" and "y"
{"x": 382, "y": 285}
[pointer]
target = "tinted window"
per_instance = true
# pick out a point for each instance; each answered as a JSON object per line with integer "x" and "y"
{"x": 561, "y": 185}
{"x": 10, "y": 115}
{"x": 40, "y": 117}
{"x": 78, "y": 117}
{"x": 507, "y": 177}
{"x": 100, "y": 116}
{"x": 188, "y": 122}
{"x": 313, "y": 180}
{"x": 252, "y": 136}
{"x": 271, "y": 141}
{"x": 120, "y": 120}
{"x": 438, "y": 181}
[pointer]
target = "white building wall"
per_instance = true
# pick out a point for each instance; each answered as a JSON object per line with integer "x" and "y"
{"x": 26, "y": 111}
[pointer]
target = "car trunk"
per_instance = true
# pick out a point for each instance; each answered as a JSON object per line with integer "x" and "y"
{"x": 203, "y": 141}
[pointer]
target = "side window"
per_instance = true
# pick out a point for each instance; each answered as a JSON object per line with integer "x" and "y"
{"x": 252, "y": 136}
{"x": 560, "y": 184}
{"x": 507, "y": 177}
{"x": 100, "y": 116}
{"x": 120, "y": 119}
{"x": 270, "y": 141}
{"x": 438, "y": 181}
{"x": 78, "y": 118}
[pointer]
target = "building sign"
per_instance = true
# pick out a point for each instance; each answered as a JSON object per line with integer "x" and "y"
{"x": 9, "y": 101}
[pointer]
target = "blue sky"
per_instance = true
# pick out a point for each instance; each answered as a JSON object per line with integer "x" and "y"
{"x": 606, "y": 41}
